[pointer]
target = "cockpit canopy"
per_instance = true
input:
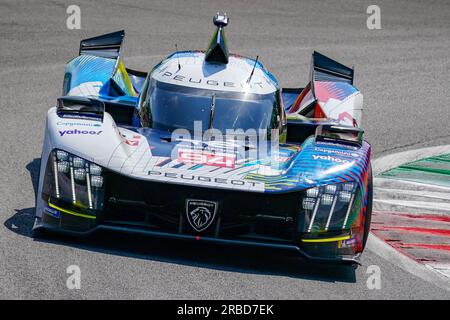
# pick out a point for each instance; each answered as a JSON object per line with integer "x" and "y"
{"x": 170, "y": 107}
{"x": 185, "y": 88}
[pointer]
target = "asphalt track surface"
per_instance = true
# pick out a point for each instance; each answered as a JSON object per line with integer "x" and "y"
{"x": 402, "y": 70}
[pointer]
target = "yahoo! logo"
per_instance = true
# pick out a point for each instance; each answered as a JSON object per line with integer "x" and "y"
{"x": 82, "y": 132}
{"x": 330, "y": 158}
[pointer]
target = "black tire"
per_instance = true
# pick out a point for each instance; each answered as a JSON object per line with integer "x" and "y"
{"x": 369, "y": 209}
{"x": 40, "y": 233}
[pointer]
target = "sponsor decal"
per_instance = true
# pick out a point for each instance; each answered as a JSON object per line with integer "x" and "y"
{"x": 198, "y": 178}
{"x": 330, "y": 158}
{"x": 134, "y": 141}
{"x": 339, "y": 152}
{"x": 80, "y": 132}
{"x": 52, "y": 212}
{"x": 78, "y": 124}
{"x": 210, "y": 82}
{"x": 336, "y": 145}
{"x": 349, "y": 243}
{"x": 200, "y": 213}
{"x": 207, "y": 158}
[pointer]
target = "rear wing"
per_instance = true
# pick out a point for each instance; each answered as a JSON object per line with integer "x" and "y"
{"x": 105, "y": 46}
{"x": 323, "y": 69}
{"x": 330, "y": 94}
{"x": 99, "y": 70}
{"x": 327, "y": 69}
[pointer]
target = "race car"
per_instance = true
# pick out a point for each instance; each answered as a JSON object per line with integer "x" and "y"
{"x": 207, "y": 147}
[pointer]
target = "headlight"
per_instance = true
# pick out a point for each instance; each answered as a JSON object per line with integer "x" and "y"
{"x": 74, "y": 180}
{"x": 327, "y": 208}
{"x": 312, "y": 192}
{"x": 331, "y": 188}
{"x": 78, "y": 162}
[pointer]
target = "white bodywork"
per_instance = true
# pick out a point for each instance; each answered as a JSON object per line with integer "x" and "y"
{"x": 233, "y": 77}
{"x": 346, "y": 111}
{"x": 128, "y": 153}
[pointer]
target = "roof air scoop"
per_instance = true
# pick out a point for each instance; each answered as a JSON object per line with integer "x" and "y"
{"x": 217, "y": 51}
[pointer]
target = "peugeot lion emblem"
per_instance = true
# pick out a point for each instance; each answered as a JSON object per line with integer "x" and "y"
{"x": 200, "y": 213}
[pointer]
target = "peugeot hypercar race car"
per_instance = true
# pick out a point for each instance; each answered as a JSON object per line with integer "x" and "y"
{"x": 207, "y": 147}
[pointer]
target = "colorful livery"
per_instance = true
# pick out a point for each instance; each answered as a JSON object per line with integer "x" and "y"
{"x": 207, "y": 146}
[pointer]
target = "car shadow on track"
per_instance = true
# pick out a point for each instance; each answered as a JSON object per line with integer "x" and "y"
{"x": 194, "y": 254}
{"x": 22, "y": 221}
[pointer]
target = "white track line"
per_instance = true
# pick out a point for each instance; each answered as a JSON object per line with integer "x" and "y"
{"x": 394, "y": 160}
{"x": 442, "y": 268}
{"x": 440, "y": 273}
{"x": 387, "y": 252}
{"x": 413, "y": 183}
{"x": 416, "y": 204}
{"x": 417, "y": 193}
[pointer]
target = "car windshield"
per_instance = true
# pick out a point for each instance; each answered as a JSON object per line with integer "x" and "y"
{"x": 172, "y": 107}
